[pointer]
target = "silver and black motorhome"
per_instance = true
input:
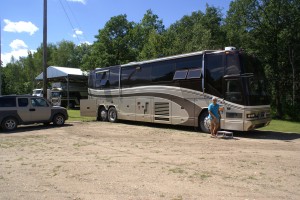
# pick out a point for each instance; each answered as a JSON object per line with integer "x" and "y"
{"x": 178, "y": 89}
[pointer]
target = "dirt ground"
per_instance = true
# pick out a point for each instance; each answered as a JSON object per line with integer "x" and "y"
{"x": 94, "y": 160}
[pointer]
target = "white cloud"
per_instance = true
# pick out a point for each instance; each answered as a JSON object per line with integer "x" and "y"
{"x": 78, "y": 1}
{"x": 18, "y": 44}
{"x": 6, "y": 57}
{"x": 19, "y": 27}
{"x": 19, "y": 49}
{"x": 77, "y": 33}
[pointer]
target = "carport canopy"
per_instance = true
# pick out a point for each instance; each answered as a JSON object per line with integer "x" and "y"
{"x": 60, "y": 74}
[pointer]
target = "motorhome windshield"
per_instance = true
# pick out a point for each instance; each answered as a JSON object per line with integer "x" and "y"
{"x": 37, "y": 92}
{"x": 56, "y": 94}
{"x": 254, "y": 81}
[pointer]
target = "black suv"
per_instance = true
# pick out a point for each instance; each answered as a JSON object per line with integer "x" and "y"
{"x": 26, "y": 109}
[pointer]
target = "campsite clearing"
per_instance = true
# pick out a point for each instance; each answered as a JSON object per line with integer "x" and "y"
{"x": 94, "y": 160}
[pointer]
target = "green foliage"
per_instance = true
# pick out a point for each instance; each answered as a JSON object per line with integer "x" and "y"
{"x": 270, "y": 29}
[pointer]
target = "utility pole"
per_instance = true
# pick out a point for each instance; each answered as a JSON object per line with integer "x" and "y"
{"x": 45, "y": 82}
{"x": 0, "y": 57}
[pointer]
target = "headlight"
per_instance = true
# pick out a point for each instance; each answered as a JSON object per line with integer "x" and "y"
{"x": 252, "y": 115}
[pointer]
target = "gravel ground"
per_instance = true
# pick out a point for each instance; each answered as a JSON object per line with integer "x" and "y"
{"x": 94, "y": 160}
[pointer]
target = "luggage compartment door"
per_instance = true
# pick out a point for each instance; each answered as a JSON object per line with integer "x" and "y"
{"x": 88, "y": 107}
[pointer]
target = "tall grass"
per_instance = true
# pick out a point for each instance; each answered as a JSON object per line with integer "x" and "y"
{"x": 74, "y": 115}
{"x": 283, "y": 126}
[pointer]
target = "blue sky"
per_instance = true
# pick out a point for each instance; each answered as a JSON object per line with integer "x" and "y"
{"x": 80, "y": 20}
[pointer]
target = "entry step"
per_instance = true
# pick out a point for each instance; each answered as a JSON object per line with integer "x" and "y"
{"x": 226, "y": 134}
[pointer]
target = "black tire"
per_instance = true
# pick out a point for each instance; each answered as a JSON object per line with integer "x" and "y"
{"x": 59, "y": 120}
{"x": 72, "y": 105}
{"x": 9, "y": 124}
{"x": 112, "y": 115}
{"x": 103, "y": 115}
{"x": 204, "y": 122}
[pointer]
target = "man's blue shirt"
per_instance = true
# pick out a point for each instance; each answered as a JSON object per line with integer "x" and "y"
{"x": 214, "y": 109}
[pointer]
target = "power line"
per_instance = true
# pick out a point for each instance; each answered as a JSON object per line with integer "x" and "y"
{"x": 69, "y": 20}
{"x": 74, "y": 16}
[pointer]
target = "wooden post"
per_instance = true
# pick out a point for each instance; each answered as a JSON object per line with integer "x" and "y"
{"x": 45, "y": 81}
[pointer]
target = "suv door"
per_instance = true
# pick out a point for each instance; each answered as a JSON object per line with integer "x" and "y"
{"x": 23, "y": 109}
{"x": 40, "y": 110}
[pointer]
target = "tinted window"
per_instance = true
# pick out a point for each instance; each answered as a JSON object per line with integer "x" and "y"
{"x": 180, "y": 74}
{"x": 114, "y": 78}
{"x": 91, "y": 81}
{"x": 194, "y": 73}
{"x": 136, "y": 75}
{"x": 127, "y": 74}
{"x": 143, "y": 75}
{"x": 234, "y": 91}
{"x": 163, "y": 71}
{"x": 233, "y": 64}
{"x": 23, "y": 102}
{"x": 189, "y": 63}
{"x": 214, "y": 65}
{"x": 8, "y": 102}
{"x": 101, "y": 79}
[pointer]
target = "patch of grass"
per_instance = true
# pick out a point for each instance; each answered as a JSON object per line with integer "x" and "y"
{"x": 177, "y": 170}
{"x": 74, "y": 115}
{"x": 82, "y": 144}
{"x": 6, "y": 144}
{"x": 203, "y": 176}
{"x": 178, "y": 198}
{"x": 283, "y": 126}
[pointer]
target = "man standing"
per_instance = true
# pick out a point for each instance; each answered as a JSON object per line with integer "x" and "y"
{"x": 214, "y": 116}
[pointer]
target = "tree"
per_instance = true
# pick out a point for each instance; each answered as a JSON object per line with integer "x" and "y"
{"x": 65, "y": 55}
{"x": 111, "y": 45}
{"x": 269, "y": 28}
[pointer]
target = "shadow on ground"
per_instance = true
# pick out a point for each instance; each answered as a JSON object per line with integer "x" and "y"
{"x": 33, "y": 127}
{"x": 255, "y": 134}
{"x": 268, "y": 135}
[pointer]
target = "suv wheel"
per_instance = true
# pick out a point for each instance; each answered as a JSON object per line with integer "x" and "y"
{"x": 9, "y": 124}
{"x": 59, "y": 120}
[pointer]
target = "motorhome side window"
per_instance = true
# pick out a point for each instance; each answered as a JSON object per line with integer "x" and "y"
{"x": 143, "y": 75}
{"x": 114, "y": 78}
{"x": 189, "y": 62}
{"x": 163, "y": 72}
{"x": 188, "y": 68}
{"x": 137, "y": 75}
{"x": 91, "y": 81}
{"x": 101, "y": 79}
{"x": 215, "y": 64}
{"x": 127, "y": 76}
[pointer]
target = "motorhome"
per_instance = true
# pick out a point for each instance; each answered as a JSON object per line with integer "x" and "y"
{"x": 178, "y": 89}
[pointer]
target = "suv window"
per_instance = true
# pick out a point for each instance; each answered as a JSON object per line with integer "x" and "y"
{"x": 23, "y": 102}
{"x": 8, "y": 102}
{"x": 37, "y": 102}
